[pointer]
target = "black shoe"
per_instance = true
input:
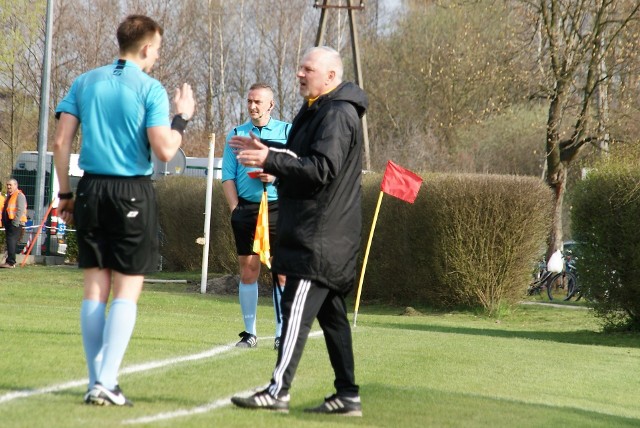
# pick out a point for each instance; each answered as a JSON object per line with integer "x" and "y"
{"x": 336, "y": 405}
{"x": 101, "y": 396}
{"x": 248, "y": 340}
{"x": 263, "y": 400}
{"x": 276, "y": 343}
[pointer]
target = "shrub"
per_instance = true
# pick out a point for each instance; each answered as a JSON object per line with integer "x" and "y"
{"x": 3, "y": 242}
{"x": 606, "y": 208}
{"x": 71, "y": 240}
{"x": 181, "y": 204}
{"x": 469, "y": 240}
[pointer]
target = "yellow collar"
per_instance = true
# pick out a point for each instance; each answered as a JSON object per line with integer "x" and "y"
{"x": 310, "y": 101}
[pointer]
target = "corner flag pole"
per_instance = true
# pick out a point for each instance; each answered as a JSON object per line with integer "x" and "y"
{"x": 35, "y": 238}
{"x": 366, "y": 257}
{"x": 207, "y": 215}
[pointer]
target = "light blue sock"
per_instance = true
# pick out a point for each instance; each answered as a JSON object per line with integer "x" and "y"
{"x": 248, "y": 294}
{"x": 117, "y": 333}
{"x": 277, "y": 298}
{"x": 92, "y": 325}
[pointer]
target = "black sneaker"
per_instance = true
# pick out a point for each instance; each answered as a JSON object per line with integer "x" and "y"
{"x": 248, "y": 340}
{"x": 336, "y": 405}
{"x": 263, "y": 400}
{"x": 276, "y": 343}
{"x": 101, "y": 396}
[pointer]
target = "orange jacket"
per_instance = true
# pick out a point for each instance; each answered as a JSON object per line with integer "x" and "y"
{"x": 12, "y": 207}
{"x": 1, "y": 207}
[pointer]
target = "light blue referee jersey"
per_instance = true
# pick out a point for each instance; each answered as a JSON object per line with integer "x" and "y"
{"x": 251, "y": 188}
{"x": 115, "y": 105}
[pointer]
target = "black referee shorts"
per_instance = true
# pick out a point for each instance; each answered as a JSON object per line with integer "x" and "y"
{"x": 117, "y": 224}
{"x": 244, "y": 219}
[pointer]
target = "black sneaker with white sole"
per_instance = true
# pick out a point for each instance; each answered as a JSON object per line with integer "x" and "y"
{"x": 247, "y": 340}
{"x": 337, "y": 405}
{"x": 101, "y": 396}
{"x": 263, "y": 400}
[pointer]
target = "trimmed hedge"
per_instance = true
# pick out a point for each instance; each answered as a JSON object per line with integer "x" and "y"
{"x": 181, "y": 203}
{"x": 468, "y": 240}
{"x": 605, "y": 213}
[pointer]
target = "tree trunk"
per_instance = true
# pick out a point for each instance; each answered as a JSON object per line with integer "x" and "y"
{"x": 556, "y": 170}
{"x": 603, "y": 100}
{"x": 557, "y": 230}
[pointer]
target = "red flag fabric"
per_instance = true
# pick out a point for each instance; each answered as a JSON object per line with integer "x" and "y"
{"x": 400, "y": 182}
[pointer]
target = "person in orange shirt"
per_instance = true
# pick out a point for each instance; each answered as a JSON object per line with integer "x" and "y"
{"x": 14, "y": 216}
{"x": 2, "y": 199}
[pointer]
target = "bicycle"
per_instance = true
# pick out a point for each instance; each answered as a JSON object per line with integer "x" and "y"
{"x": 565, "y": 281}
{"x": 553, "y": 282}
{"x": 540, "y": 277}
{"x": 573, "y": 285}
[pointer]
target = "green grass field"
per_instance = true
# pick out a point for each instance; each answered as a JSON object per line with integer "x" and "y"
{"x": 537, "y": 366}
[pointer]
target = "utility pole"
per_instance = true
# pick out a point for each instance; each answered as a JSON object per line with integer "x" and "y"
{"x": 43, "y": 128}
{"x": 324, "y": 7}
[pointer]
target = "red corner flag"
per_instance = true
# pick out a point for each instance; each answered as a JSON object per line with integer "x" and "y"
{"x": 400, "y": 182}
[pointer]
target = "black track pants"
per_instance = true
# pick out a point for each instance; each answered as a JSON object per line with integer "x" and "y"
{"x": 302, "y": 302}
{"x": 12, "y": 238}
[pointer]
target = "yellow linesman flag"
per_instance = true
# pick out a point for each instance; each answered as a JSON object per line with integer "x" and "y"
{"x": 261, "y": 238}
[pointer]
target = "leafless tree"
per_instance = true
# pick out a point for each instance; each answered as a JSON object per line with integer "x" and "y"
{"x": 576, "y": 38}
{"x": 22, "y": 24}
{"x": 465, "y": 85}
{"x": 446, "y": 68}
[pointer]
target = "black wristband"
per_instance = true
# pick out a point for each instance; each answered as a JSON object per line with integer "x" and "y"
{"x": 179, "y": 124}
{"x": 68, "y": 195}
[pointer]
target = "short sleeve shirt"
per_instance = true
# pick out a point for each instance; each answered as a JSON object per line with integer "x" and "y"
{"x": 249, "y": 188}
{"x": 115, "y": 105}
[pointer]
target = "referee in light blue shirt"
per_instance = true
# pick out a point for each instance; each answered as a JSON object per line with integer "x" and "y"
{"x": 124, "y": 115}
{"x": 243, "y": 193}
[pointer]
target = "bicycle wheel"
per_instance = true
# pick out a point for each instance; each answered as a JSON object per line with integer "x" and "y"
{"x": 572, "y": 287}
{"x": 536, "y": 288}
{"x": 535, "y": 291}
{"x": 554, "y": 284}
{"x": 578, "y": 294}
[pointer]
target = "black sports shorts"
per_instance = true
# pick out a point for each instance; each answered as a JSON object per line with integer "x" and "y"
{"x": 116, "y": 220}
{"x": 244, "y": 219}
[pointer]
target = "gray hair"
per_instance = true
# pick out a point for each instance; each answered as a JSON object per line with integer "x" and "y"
{"x": 334, "y": 62}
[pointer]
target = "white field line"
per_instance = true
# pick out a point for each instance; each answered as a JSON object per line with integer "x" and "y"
{"x": 214, "y": 405}
{"x": 184, "y": 412}
{"x": 127, "y": 370}
{"x": 54, "y": 388}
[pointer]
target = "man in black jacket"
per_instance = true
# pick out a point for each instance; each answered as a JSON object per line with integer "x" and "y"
{"x": 319, "y": 226}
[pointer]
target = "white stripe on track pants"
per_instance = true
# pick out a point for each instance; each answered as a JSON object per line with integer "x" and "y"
{"x": 302, "y": 302}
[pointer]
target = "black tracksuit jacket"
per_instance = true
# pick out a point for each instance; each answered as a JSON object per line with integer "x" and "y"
{"x": 318, "y": 177}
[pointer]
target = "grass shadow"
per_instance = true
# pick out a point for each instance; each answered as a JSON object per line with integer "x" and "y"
{"x": 420, "y": 406}
{"x": 579, "y": 337}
